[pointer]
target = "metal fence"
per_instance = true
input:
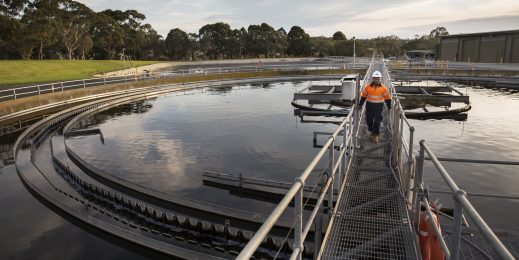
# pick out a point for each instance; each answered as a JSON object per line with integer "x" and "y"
{"x": 462, "y": 206}
{"x": 339, "y": 151}
{"x": 403, "y": 162}
{"x": 410, "y": 170}
{"x": 19, "y": 92}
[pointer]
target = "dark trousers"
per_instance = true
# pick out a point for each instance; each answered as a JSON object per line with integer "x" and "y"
{"x": 374, "y": 116}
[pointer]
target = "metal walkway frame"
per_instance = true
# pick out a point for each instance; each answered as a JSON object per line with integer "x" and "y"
{"x": 380, "y": 195}
{"x": 370, "y": 220}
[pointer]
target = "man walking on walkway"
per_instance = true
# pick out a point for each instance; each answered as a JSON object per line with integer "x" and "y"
{"x": 375, "y": 94}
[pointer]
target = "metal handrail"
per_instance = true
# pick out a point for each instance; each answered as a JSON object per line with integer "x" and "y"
{"x": 461, "y": 204}
{"x": 296, "y": 192}
{"x": 349, "y": 128}
{"x": 417, "y": 194}
{"x": 17, "y": 92}
{"x": 409, "y": 169}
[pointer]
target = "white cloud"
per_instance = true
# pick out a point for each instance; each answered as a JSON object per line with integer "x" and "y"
{"x": 355, "y": 17}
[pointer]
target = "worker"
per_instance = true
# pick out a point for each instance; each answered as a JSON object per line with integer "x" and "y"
{"x": 375, "y": 94}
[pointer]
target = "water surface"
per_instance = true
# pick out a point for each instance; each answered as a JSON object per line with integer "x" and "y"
{"x": 167, "y": 143}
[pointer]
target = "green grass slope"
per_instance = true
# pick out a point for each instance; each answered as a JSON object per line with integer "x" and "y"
{"x": 22, "y": 72}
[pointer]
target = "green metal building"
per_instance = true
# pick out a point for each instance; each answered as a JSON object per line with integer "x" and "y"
{"x": 489, "y": 47}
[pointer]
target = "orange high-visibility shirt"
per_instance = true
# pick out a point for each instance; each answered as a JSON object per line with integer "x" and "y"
{"x": 376, "y": 94}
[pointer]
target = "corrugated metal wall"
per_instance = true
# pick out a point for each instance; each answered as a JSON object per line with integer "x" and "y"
{"x": 469, "y": 50}
{"x": 449, "y": 49}
{"x": 496, "y": 47}
{"x": 514, "y": 55}
{"x": 492, "y": 49}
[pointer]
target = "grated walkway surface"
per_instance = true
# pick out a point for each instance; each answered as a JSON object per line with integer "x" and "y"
{"x": 371, "y": 220}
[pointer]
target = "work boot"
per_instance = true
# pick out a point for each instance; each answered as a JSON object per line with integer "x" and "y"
{"x": 375, "y": 138}
{"x": 371, "y": 137}
{"x": 368, "y": 133}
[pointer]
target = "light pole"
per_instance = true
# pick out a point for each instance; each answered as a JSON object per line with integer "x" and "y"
{"x": 353, "y": 50}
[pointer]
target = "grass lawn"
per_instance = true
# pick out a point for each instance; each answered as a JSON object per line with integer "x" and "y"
{"x": 22, "y": 72}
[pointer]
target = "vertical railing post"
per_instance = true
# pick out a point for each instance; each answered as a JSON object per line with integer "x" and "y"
{"x": 14, "y": 93}
{"x": 84, "y": 85}
{"x": 298, "y": 208}
{"x": 356, "y": 112}
{"x": 39, "y": 90}
{"x": 401, "y": 137}
{"x": 418, "y": 183}
{"x": 61, "y": 86}
{"x": 344, "y": 158}
{"x": 331, "y": 165}
{"x": 456, "y": 228}
{"x": 395, "y": 126}
{"x": 410, "y": 164}
{"x": 318, "y": 234}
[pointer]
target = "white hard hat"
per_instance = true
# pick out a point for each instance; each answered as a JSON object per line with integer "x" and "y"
{"x": 377, "y": 74}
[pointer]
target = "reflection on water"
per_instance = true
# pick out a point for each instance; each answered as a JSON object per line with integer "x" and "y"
{"x": 251, "y": 130}
{"x": 32, "y": 231}
{"x": 242, "y": 129}
{"x": 166, "y": 143}
{"x": 490, "y": 132}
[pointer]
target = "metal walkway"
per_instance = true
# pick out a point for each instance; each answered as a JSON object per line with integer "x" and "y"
{"x": 371, "y": 219}
{"x": 381, "y": 198}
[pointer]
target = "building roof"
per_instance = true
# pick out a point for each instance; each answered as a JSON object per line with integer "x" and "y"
{"x": 480, "y": 34}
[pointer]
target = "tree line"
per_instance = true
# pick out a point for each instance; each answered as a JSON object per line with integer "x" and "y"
{"x": 66, "y": 29}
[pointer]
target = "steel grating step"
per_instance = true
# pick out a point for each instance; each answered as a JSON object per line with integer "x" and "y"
{"x": 373, "y": 204}
{"x": 371, "y": 220}
{"x": 358, "y": 237}
{"x": 373, "y": 179}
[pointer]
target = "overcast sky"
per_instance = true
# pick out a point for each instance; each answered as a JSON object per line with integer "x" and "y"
{"x": 359, "y": 18}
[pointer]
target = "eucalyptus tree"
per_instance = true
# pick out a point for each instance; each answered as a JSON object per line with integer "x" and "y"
{"x": 134, "y": 32}
{"x": 154, "y": 45}
{"x": 214, "y": 39}
{"x": 42, "y": 19}
{"x": 11, "y": 27}
{"x": 177, "y": 44}
{"x": 438, "y": 31}
{"x": 388, "y": 45}
{"x": 269, "y": 35}
{"x": 256, "y": 42}
{"x": 108, "y": 37}
{"x": 238, "y": 43}
{"x": 434, "y": 36}
{"x": 298, "y": 42}
{"x": 24, "y": 40}
{"x": 12, "y": 8}
{"x": 429, "y": 41}
{"x": 339, "y": 36}
{"x": 194, "y": 44}
{"x": 86, "y": 43}
{"x": 264, "y": 39}
{"x": 280, "y": 42}
{"x": 74, "y": 23}
{"x": 343, "y": 48}
{"x": 322, "y": 46}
